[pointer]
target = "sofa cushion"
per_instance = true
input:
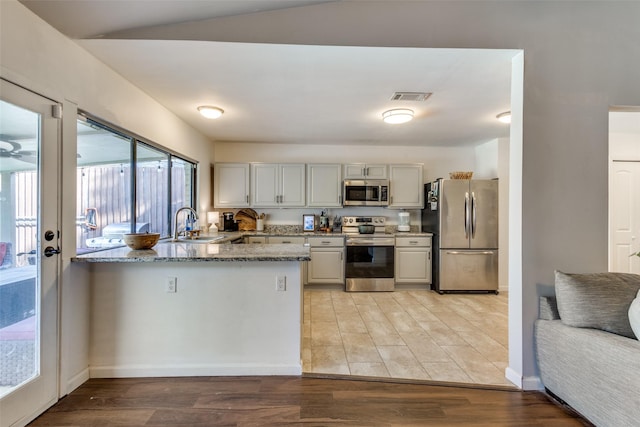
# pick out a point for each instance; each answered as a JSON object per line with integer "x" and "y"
{"x": 634, "y": 315}
{"x": 597, "y": 300}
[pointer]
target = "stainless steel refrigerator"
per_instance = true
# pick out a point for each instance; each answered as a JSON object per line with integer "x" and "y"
{"x": 463, "y": 217}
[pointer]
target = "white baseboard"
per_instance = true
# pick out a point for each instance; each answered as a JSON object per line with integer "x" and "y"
{"x": 525, "y": 383}
{"x": 193, "y": 371}
{"x": 76, "y": 381}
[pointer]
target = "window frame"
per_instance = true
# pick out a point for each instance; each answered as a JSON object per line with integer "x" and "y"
{"x": 134, "y": 141}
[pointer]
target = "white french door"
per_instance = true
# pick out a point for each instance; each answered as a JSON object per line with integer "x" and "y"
{"x": 29, "y": 266}
{"x": 624, "y": 216}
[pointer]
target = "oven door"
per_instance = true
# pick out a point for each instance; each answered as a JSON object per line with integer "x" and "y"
{"x": 369, "y": 268}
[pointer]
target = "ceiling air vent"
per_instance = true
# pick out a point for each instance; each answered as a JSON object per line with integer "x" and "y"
{"x": 410, "y": 96}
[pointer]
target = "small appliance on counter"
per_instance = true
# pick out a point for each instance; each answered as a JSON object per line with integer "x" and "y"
{"x": 228, "y": 223}
{"x": 404, "y": 219}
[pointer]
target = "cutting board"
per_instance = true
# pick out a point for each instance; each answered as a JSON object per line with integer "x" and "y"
{"x": 246, "y": 219}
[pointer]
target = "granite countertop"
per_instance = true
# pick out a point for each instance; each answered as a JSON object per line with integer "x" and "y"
{"x": 220, "y": 249}
{"x": 181, "y": 251}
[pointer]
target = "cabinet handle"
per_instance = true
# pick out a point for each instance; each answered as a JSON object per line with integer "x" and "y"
{"x": 429, "y": 256}
{"x": 247, "y": 197}
{"x": 413, "y": 242}
{"x": 325, "y": 242}
{"x": 366, "y": 171}
{"x": 286, "y": 241}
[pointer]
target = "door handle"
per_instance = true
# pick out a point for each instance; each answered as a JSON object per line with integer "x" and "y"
{"x": 473, "y": 214}
{"x": 50, "y": 251}
{"x": 470, "y": 253}
{"x": 466, "y": 215}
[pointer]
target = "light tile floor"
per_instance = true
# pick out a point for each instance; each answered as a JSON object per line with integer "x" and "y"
{"x": 408, "y": 334}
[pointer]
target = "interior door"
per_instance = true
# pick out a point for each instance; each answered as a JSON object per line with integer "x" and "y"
{"x": 625, "y": 216}
{"x": 28, "y": 248}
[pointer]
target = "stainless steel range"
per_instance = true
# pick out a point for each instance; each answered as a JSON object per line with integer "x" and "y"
{"x": 370, "y": 262}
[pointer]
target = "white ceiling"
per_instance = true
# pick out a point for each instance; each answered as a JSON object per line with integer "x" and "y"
{"x": 293, "y": 93}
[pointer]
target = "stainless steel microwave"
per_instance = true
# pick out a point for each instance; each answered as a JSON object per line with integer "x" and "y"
{"x": 369, "y": 192}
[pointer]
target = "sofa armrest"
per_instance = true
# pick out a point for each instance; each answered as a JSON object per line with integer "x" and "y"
{"x": 548, "y": 308}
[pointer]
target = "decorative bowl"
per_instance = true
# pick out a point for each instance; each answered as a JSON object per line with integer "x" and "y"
{"x": 141, "y": 240}
{"x": 460, "y": 175}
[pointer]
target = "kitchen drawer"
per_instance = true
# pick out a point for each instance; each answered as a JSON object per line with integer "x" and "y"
{"x": 286, "y": 239}
{"x": 255, "y": 239}
{"x": 413, "y": 241}
{"x": 326, "y": 241}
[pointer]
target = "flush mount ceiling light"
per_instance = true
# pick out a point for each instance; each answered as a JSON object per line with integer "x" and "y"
{"x": 210, "y": 112}
{"x": 397, "y": 116}
{"x": 504, "y": 117}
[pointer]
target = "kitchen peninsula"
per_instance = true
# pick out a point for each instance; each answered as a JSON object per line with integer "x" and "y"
{"x": 191, "y": 309}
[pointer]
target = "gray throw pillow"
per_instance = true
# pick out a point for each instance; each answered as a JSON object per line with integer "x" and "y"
{"x": 597, "y": 300}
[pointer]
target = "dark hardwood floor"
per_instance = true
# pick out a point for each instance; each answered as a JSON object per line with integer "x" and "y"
{"x": 287, "y": 401}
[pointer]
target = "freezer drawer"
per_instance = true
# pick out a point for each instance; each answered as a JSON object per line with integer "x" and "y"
{"x": 468, "y": 270}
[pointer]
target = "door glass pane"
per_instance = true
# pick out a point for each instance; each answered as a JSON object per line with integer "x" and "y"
{"x": 19, "y": 295}
{"x": 182, "y": 182}
{"x": 152, "y": 190}
{"x": 103, "y": 188}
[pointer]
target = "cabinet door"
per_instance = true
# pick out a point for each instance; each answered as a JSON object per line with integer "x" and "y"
{"x": 406, "y": 184}
{"x": 413, "y": 265}
{"x": 265, "y": 185}
{"x": 292, "y": 185}
{"x": 362, "y": 170}
{"x": 326, "y": 266}
{"x": 376, "y": 171}
{"x": 231, "y": 185}
{"x": 324, "y": 185}
{"x": 354, "y": 171}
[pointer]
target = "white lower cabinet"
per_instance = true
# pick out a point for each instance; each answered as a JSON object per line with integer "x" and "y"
{"x": 413, "y": 260}
{"x": 327, "y": 260}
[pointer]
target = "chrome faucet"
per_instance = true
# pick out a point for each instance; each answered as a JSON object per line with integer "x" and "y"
{"x": 175, "y": 220}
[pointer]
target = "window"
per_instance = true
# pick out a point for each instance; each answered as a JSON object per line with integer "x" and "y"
{"x": 126, "y": 184}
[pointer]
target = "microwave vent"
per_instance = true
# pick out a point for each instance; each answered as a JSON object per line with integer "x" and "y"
{"x": 410, "y": 96}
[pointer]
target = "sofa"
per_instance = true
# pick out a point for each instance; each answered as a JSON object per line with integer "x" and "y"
{"x": 587, "y": 351}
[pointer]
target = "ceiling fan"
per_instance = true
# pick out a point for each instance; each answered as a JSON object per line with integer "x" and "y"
{"x": 13, "y": 150}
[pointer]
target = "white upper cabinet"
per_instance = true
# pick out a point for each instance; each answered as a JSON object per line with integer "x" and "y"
{"x": 406, "y": 186}
{"x": 278, "y": 185}
{"x": 231, "y": 185}
{"x": 365, "y": 171}
{"x": 324, "y": 185}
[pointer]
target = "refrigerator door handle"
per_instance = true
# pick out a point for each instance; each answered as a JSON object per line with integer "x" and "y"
{"x": 466, "y": 215}
{"x": 473, "y": 215}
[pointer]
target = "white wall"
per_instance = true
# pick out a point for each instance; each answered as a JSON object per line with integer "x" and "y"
{"x": 37, "y": 57}
{"x": 624, "y": 135}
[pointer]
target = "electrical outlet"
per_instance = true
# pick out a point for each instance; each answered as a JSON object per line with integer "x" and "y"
{"x": 172, "y": 285}
{"x": 281, "y": 283}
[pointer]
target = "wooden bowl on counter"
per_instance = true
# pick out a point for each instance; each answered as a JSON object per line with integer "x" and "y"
{"x": 141, "y": 240}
